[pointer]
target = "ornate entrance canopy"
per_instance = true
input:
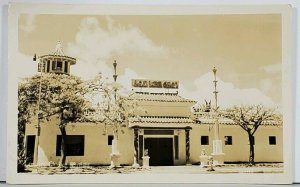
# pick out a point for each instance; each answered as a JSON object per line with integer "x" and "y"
{"x": 160, "y": 123}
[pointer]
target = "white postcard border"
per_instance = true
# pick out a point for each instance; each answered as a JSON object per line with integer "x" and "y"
{"x": 16, "y": 9}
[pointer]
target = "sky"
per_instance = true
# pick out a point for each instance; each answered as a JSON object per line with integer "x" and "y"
{"x": 245, "y": 49}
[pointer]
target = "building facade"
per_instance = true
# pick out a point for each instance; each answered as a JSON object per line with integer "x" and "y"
{"x": 169, "y": 132}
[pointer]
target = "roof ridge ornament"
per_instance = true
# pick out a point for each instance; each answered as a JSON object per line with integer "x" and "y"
{"x": 59, "y": 49}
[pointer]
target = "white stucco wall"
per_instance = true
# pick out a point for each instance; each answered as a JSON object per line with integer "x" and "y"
{"x": 239, "y": 150}
{"x": 96, "y": 150}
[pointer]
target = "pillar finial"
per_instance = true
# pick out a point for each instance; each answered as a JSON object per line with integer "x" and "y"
{"x": 59, "y": 49}
{"x": 115, "y": 70}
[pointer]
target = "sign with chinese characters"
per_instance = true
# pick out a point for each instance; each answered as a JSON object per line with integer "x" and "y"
{"x": 142, "y": 83}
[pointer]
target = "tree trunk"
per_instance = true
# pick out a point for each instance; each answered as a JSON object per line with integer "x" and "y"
{"x": 63, "y": 149}
{"x": 251, "y": 145}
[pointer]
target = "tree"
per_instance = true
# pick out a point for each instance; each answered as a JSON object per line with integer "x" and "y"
{"x": 250, "y": 118}
{"x": 23, "y": 118}
{"x": 113, "y": 103}
{"x": 62, "y": 96}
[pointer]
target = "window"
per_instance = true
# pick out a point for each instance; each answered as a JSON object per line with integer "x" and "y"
{"x": 59, "y": 65}
{"x": 110, "y": 139}
{"x": 30, "y": 148}
{"x": 204, "y": 140}
{"x": 272, "y": 140}
{"x": 228, "y": 140}
{"x": 74, "y": 145}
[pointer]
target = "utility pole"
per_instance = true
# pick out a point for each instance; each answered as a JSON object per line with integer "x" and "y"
{"x": 38, "y": 126}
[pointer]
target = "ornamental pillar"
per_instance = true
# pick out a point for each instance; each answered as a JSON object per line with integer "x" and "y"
{"x": 136, "y": 144}
{"x": 187, "y": 146}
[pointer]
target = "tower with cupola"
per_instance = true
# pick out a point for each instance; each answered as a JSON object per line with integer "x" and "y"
{"x": 57, "y": 62}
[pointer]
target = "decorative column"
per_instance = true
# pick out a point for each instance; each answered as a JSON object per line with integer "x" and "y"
{"x": 187, "y": 146}
{"x": 136, "y": 144}
{"x": 115, "y": 155}
{"x": 218, "y": 155}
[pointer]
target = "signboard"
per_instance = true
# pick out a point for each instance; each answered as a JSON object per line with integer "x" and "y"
{"x": 170, "y": 84}
{"x": 143, "y": 83}
{"x": 155, "y": 84}
{"x": 139, "y": 83}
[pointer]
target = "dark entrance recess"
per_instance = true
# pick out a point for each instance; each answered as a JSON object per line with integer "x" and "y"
{"x": 160, "y": 151}
{"x": 30, "y": 148}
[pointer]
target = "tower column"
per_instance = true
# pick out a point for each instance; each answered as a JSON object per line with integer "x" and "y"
{"x": 63, "y": 67}
{"x": 45, "y": 65}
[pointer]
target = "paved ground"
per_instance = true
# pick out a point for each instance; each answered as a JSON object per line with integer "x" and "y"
{"x": 192, "y": 169}
{"x": 221, "y": 169}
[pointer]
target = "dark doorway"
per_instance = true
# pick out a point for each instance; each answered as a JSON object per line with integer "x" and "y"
{"x": 160, "y": 151}
{"x": 30, "y": 149}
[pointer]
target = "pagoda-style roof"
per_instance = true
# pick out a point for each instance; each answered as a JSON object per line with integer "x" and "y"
{"x": 161, "y": 122}
{"x": 59, "y": 54}
{"x": 159, "y": 97}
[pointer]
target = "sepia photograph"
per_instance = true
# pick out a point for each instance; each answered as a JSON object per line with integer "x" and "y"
{"x": 154, "y": 94}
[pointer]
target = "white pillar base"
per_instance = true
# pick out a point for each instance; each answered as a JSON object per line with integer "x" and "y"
{"x": 135, "y": 164}
{"x": 115, "y": 155}
{"x": 218, "y": 159}
{"x": 146, "y": 161}
{"x": 203, "y": 161}
{"x": 217, "y": 146}
{"x": 218, "y": 155}
{"x": 115, "y": 160}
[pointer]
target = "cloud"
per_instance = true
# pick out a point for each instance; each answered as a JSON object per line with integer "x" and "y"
{"x": 125, "y": 79}
{"x": 94, "y": 45}
{"x": 273, "y": 68}
{"x": 228, "y": 95}
{"x": 28, "y": 66}
{"x": 266, "y": 85}
{"x": 29, "y": 25}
